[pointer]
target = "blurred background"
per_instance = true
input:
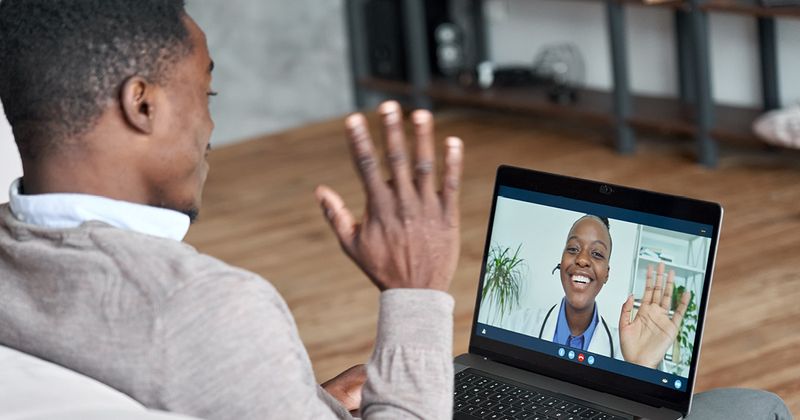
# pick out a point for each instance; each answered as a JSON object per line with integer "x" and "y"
{"x": 695, "y": 98}
{"x": 284, "y": 63}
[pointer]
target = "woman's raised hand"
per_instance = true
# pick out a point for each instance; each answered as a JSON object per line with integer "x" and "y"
{"x": 646, "y": 338}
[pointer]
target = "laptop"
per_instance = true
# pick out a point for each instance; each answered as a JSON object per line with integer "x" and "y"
{"x": 565, "y": 324}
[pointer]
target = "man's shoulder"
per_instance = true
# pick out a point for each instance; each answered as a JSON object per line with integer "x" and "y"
{"x": 177, "y": 279}
{"x": 143, "y": 264}
{"x": 176, "y": 264}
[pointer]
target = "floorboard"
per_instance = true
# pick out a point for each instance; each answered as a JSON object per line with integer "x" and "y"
{"x": 259, "y": 213}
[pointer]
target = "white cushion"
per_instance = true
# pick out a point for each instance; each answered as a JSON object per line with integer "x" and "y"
{"x": 780, "y": 127}
{"x": 106, "y": 415}
{"x": 34, "y": 389}
{"x": 10, "y": 163}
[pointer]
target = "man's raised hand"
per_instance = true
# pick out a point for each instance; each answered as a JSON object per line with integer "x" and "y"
{"x": 409, "y": 235}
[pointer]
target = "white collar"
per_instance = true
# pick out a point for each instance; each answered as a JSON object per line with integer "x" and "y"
{"x": 67, "y": 210}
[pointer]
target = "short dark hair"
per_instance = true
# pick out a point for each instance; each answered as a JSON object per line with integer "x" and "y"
{"x": 604, "y": 221}
{"x": 61, "y": 61}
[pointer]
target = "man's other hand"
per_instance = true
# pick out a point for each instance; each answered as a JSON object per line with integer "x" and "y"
{"x": 346, "y": 387}
{"x": 409, "y": 235}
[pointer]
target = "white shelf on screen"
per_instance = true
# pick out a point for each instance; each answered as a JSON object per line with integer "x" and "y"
{"x": 680, "y": 269}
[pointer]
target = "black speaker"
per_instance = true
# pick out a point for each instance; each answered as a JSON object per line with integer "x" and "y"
{"x": 449, "y": 48}
{"x": 445, "y": 47}
{"x": 385, "y": 39}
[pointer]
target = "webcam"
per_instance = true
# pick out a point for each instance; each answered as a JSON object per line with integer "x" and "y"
{"x": 605, "y": 189}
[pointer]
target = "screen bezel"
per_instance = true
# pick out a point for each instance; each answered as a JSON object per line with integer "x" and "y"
{"x": 617, "y": 196}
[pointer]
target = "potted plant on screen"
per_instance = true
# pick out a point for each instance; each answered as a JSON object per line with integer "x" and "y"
{"x": 502, "y": 282}
{"x": 684, "y": 344}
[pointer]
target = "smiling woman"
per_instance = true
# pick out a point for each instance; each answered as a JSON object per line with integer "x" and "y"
{"x": 584, "y": 269}
{"x": 565, "y": 304}
{"x": 575, "y": 313}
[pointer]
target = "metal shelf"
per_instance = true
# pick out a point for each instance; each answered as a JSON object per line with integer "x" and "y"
{"x": 750, "y": 7}
{"x": 692, "y": 113}
{"x": 665, "y": 115}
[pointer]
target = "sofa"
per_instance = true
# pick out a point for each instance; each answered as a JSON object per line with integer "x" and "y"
{"x": 34, "y": 389}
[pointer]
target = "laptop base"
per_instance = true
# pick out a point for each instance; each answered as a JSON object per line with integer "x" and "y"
{"x": 635, "y": 410}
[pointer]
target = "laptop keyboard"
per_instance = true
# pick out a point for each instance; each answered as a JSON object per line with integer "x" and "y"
{"x": 483, "y": 397}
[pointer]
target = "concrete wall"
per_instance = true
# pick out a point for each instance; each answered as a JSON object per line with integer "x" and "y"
{"x": 279, "y": 63}
{"x": 518, "y": 28}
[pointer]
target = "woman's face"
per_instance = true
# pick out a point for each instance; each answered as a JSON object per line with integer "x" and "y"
{"x": 584, "y": 263}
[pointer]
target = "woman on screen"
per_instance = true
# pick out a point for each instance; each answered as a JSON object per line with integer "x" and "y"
{"x": 584, "y": 270}
{"x": 575, "y": 320}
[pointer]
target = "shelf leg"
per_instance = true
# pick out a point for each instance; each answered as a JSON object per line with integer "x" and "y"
{"x": 419, "y": 69}
{"x": 683, "y": 43}
{"x": 707, "y": 148}
{"x": 619, "y": 63}
{"x": 479, "y": 30}
{"x": 357, "y": 37}
{"x": 769, "y": 63}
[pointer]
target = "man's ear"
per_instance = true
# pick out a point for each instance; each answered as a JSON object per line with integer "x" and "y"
{"x": 137, "y": 100}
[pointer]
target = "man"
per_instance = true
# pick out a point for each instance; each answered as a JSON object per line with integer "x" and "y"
{"x": 108, "y": 100}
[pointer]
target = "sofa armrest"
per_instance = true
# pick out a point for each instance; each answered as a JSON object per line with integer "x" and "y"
{"x": 32, "y": 388}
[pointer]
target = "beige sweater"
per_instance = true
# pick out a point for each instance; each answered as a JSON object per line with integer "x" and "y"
{"x": 184, "y": 332}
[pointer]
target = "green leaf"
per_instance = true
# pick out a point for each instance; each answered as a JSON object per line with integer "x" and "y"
{"x": 503, "y": 278}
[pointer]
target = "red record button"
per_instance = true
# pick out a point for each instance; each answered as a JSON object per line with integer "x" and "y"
{"x": 581, "y": 357}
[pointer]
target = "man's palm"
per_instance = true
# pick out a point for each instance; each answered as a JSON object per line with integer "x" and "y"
{"x": 646, "y": 338}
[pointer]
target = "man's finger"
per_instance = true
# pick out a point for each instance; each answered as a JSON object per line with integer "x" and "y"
{"x": 362, "y": 150}
{"x": 338, "y": 216}
{"x": 346, "y": 387}
{"x": 677, "y": 318}
{"x": 648, "y": 286}
{"x": 425, "y": 158}
{"x": 627, "y": 309}
{"x": 396, "y": 154}
{"x": 659, "y": 282}
{"x": 451, "y": 184}
{"x": 666, "y": 300}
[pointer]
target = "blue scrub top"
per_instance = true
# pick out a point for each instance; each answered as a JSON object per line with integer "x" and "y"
{"x": 564, "y": 336}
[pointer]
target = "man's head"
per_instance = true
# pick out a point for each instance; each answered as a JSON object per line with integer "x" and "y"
{"x": 108, "y": 97}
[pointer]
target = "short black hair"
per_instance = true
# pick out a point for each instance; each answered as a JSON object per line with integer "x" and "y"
{"x": 62, "y": 61}
{"x": 601, "y": 218}
{"x": 604, "y": 221}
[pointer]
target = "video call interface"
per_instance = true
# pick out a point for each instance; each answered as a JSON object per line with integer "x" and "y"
{"x": 562, "y": 274}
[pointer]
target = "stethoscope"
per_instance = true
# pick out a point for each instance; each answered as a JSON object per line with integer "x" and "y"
{"x": 602, "y": 320}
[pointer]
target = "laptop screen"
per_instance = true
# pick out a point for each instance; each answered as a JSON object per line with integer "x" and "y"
{"x": 607, "y": 287}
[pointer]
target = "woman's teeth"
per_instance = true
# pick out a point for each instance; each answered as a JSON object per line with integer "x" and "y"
{"x": 581, "y": 279}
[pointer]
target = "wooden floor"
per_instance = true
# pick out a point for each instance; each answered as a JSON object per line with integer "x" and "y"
{"x": 259, "y": 213}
